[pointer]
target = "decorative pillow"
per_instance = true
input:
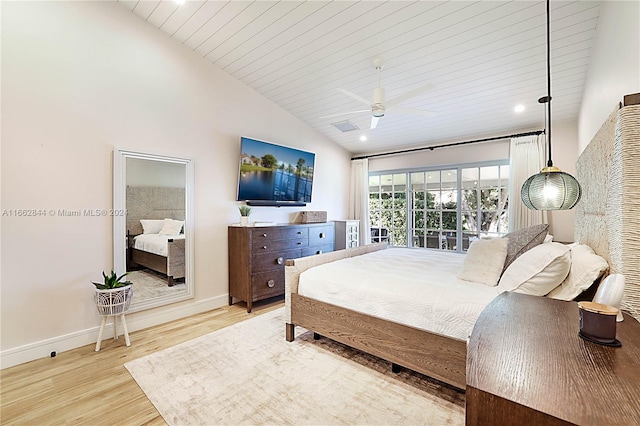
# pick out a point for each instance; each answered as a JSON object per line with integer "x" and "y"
{"x": 522, "y": 240}
{"x": 151, "y": 226}
{"x": 483, "y": 261}
{"x": 172, "y": 227}
{"x": 586, "y": 267}
{"x": 537, "y": 271}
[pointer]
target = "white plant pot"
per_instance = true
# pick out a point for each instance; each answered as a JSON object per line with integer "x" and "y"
{"x": 115, "y": 301}
{"x": 244, "y": 220}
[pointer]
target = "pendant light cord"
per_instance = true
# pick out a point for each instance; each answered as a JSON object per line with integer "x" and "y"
{"x": 549, "y": 163}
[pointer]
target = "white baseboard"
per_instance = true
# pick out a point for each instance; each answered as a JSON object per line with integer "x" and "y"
{"x": 137, "y": 321}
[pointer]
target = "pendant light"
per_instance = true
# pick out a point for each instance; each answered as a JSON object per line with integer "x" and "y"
{"x": 551, "y": 189}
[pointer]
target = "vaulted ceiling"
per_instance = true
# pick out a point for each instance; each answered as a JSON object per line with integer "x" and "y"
{"x": 482, "y": 57}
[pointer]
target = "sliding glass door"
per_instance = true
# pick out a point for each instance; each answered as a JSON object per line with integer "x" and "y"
{"x": 442, "y": 209}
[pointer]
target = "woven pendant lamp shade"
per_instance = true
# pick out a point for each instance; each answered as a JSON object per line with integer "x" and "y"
{"x": 551, "y": 189}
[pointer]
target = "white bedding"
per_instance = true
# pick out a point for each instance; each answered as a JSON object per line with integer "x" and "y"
{"x": 154, "y": 243}
{"x": 414, "y": 287}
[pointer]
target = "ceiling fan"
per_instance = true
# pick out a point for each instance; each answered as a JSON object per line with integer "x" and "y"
{"x": 377, "y": 106}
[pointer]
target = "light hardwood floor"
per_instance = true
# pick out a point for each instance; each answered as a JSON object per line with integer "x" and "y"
{"x": 82, "y": 386}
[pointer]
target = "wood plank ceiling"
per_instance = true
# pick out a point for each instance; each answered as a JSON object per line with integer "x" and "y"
{"x": 482, "y": 58}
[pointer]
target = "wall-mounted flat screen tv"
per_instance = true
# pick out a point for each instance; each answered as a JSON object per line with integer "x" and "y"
{"x": 274, "y": 175}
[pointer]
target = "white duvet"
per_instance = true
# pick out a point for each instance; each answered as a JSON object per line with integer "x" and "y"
{"x": 414, "y": 287}
{"x": 154, "y": 243}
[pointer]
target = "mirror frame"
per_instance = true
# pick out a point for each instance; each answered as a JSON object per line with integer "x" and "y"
{"x": 120, "y": 224}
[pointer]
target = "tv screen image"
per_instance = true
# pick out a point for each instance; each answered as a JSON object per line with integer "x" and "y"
{"x": 273, "y": 174}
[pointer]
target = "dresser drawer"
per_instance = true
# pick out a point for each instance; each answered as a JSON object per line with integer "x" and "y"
{"x": 310, "y": 251}
{"x": 267, "y": 234}
{"x": 272, "y": 260}
{"x": 320, "y": 235}
{"x": 268, "y": 245}
{"x": 267, "y": 284}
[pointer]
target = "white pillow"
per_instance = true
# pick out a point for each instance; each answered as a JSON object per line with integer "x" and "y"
{"x": 538, "y": 270}
{"x": 151, "y": 226}
{"x": 586, "y": 267}
{"x": 484, "y": 261}
{"x": 172, "y": 227}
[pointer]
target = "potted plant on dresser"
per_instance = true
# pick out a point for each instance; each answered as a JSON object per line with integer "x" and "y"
{"x": 113, "y": 297}
{"x": 245, "y": 211}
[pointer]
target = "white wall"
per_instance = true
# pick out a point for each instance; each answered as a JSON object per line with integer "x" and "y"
{"x": 155, "y": 173}
{"x": 614, "y": 67}
{"x": 486, "y": 151}
{"x": 78, "y": 79}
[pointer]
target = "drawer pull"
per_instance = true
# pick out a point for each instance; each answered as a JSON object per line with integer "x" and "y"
{"x": 299, "y": 243}
{"x": 322, "y": 235}
{"x": 299, "y": 233}
{"x": 319, "y": 252}
{"x": 264, "y": 247}
{"x": 271, "y": 283}
{"x": 280, "y": 260}
{"x": 264, "y": 235}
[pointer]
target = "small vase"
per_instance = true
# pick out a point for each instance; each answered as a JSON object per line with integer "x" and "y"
{"x": 244, "y": 220}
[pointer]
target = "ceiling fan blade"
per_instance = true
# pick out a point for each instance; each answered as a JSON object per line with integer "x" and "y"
{"x": 408, "y": 95}
{"x": 356, "y": 97}
{"x": 412, "y": 111}
{"x": 345, "y": 113}
{"x": 374, "y": 121}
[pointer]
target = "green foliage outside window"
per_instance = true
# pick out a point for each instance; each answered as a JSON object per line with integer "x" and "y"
{"x": 425, "y": 204}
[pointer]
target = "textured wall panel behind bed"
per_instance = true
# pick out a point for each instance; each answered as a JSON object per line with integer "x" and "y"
{"x": 607, "y": 217}
{"x": 153, "y": 202}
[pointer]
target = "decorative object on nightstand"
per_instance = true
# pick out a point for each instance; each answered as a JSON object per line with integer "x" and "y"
{"x": 598, "y": 323}
{"x": 245, "y": 211}
{"x": 113, "y": 297}
{"x": 347, "y": 234}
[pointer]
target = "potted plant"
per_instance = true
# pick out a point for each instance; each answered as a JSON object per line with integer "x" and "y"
{"x": 113, "y": 295}
{"x": 245, "y": 211}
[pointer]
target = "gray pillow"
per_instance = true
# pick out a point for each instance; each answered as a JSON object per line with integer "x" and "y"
{"x": 522, "y": 240}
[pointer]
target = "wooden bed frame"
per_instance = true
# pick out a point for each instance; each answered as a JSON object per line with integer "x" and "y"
{"x": 171, "y": 265}
{"x": 434, "y": 355}
{"x": 610, "y": 179}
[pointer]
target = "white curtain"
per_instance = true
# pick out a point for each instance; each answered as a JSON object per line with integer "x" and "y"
{"x": 526, "y": 158}
{"x": 359, "y": 197}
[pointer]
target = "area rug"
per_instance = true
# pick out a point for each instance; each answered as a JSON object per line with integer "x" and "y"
{"x": 249, "y": 374}
{"x": 148, "y": 284}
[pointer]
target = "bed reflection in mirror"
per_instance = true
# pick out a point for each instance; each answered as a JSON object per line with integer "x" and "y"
{"x": 156, "y": 238}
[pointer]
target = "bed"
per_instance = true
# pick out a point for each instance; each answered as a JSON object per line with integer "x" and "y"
{"x": 149, "y": 243}
{"x": 441, "y": 355}
{"x": 163, "y": 253}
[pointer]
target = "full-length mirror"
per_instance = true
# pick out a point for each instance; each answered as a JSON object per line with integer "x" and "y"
{"x": 153, "y": 230}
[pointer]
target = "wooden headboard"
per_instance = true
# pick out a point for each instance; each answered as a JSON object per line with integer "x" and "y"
{"x": 153, "y": 202}
{"x": 608, "y": 215}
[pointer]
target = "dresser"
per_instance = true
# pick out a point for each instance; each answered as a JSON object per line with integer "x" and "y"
{"x": 257, "y": 256}
{"x": 347, "y": 234}
{"x": 526, "y": 365}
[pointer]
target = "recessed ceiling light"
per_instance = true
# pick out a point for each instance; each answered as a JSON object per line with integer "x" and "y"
{"x": 180, "y": 2}
{"x": 363, "y": 138}
{"x": 519, "y": 108}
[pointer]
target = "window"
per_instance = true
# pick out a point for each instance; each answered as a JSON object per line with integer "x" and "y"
{"x": 444, "y": 209}
{"x": 388, "y": 208}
